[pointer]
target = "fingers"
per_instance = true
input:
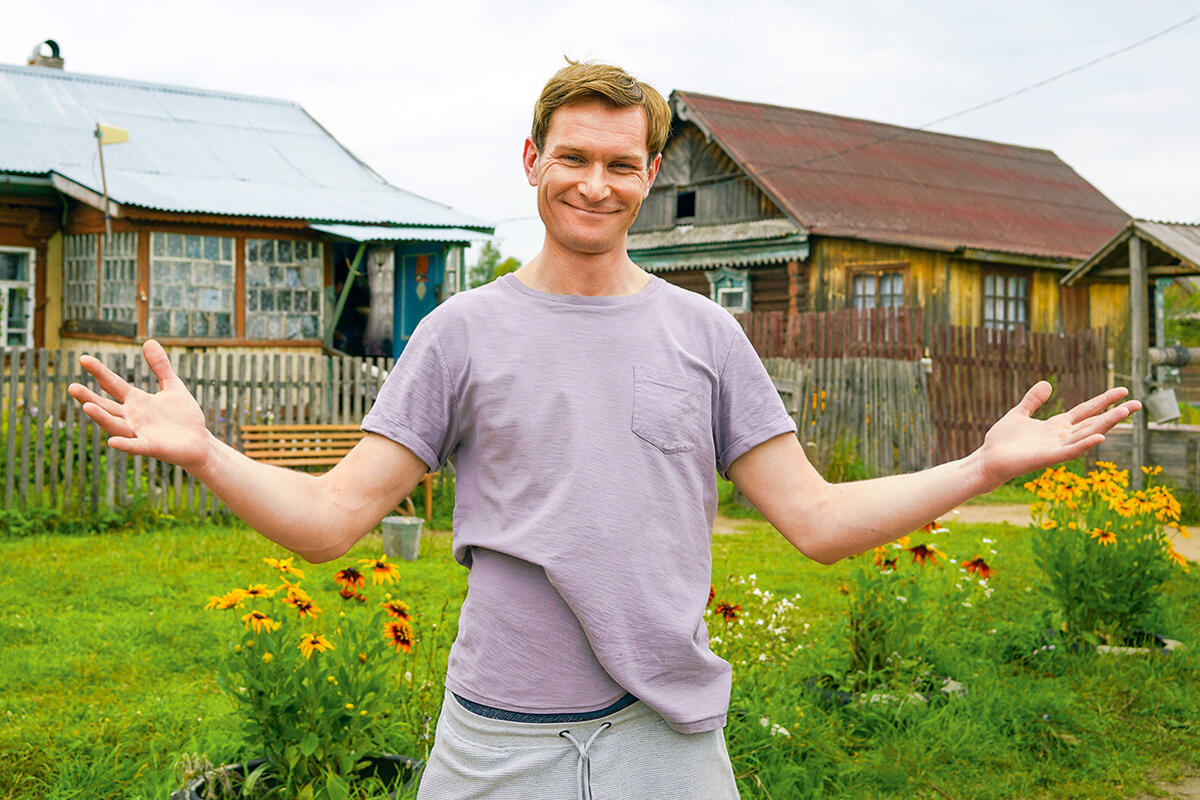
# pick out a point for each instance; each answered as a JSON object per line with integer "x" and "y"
{"x": 85, "y": 395}
{"x": 1102, "y": 423}
{"x": 1097, "y": 404}
{"x": 114, "y": 426}
{"x": 1033, "y": 399}
{"x": 108, "y": 380}
{"x": 156, "y": 357}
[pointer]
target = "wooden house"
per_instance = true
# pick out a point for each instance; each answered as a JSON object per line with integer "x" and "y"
{"x": 763, "y": 207}
{"x": 231, "y": 221}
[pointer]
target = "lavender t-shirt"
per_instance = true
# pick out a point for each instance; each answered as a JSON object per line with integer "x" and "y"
{"x": 586, "y": 433}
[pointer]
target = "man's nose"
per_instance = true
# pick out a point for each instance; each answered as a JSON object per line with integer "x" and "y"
{"x": 593, "y": 184}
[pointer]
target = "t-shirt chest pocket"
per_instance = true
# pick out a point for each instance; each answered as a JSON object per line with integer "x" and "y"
{"x": 666, "y": 408}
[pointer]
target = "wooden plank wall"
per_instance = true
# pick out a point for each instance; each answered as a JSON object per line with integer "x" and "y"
{"x": 51, "y": 454}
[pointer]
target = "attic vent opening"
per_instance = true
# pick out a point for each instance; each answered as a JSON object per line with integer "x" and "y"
{"x": 54, "y": 60}
{"x": 685, "y": 205}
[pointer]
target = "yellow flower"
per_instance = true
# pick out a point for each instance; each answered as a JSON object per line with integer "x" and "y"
{"x": 349, "y": 706}
{"x": 1104, "y": 537}
{"x": 259, "y": 590}
{"x": 284, "y": 565}
{"x": 268, "y": 658}
{"x": 1048, "y": 524}
{"x": 299, "y": 599}
{"x": 258, "y": 621}
{"x": 396, "y": 608}
{"x": 381, "y": 570}
{"x": 1152, "y": 470}
{"x": 1179, "y": 559}
{"x": 314, "y": 643}
{"x": 231, "y": 599}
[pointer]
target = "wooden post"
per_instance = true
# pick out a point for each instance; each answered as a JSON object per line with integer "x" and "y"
{"x": 1140, "y": 341}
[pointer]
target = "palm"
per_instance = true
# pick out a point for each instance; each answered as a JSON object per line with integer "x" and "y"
{"x": 167, "y": 424}
{"x": 1018, "y": 443}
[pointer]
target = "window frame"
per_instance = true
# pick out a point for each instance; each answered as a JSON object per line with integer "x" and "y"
{"x": 30, "y": 286}
{"x": 1003, "y": 324}
{"x": 877, "y": 270}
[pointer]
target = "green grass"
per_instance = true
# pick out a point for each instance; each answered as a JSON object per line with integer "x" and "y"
{"x": 106, "y": 676}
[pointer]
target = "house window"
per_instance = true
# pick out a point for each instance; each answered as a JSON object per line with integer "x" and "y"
{"x": 877, "y": 289}
{"x": 118, "y": 278}
{"x": 685, "y": 205}
{"x": 283, "y": 289}
{"x": 1005, "y": 301}
{"x": 17, "y": 266}
{"x": 730, "y": 288}
{"x": 191, "y": 285}
{"x": 79, "y": 277}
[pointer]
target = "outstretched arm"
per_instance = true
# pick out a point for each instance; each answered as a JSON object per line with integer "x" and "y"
{"x": 828, "y": 522}
{"x": 318, "y": 517}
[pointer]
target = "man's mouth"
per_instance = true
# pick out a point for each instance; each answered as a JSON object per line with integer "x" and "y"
{"x": 596, "y": 211}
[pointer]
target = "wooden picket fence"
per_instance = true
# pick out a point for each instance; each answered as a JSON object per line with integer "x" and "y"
{"x": 979, "y": 374}
{"x": 877, "y": 406}
{"x": 959, "y": 382}
{"x": 53, "y": 455}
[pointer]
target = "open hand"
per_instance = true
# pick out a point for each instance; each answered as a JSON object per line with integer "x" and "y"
{"x": 1018, "y": 443}
{"x": 167, "y": 425}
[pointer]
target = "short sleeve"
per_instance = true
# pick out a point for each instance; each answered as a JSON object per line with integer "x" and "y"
{"x": 749, "y": 410}
{"x": 417, "y": 406}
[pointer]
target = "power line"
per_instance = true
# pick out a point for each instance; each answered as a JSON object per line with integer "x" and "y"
{"x": 719, "y": 179}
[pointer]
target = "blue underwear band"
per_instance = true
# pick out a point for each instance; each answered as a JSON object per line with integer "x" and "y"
{"x": 519, "y": 716}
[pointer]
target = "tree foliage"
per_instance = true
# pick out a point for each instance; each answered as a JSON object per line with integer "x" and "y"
{"x": 491, "y": 265}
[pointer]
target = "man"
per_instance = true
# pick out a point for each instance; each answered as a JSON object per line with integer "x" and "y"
{"x": 588, "y": 405}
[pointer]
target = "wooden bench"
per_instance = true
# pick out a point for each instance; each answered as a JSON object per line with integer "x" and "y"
{"x": 303, "y": 446}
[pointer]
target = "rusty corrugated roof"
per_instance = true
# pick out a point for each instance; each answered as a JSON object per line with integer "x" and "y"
{"x": 905, "y": 186}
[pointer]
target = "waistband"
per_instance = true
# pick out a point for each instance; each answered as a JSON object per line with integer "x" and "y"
{"x": 520, "y": 716}
{"x": 493, "y": 732}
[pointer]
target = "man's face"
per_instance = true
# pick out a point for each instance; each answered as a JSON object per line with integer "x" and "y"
{"x": 591, "y": 175}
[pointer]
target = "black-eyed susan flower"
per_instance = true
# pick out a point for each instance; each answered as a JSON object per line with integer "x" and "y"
{"x": 259, "y": 622}
{"x": 1178, "y": 558}
{"x": 231, "y": 599}
{"x": 381, "y": 571}
{"x": 314, "y": 643}
{"x": 259, "y": 590}
{"x": 978, "y": 566}
{"x": 1103, "y": 536}
{"x": 299, "y": 599}
{"x": 350, "y": 578}
{"x": 712, "y": 592}
{"x": 728, "y": 610}
{"x": 284, "y": 565}
{"x": 924, "y": 553}
{"x": 399, "y": 634}
{"x": 397, "y": 609}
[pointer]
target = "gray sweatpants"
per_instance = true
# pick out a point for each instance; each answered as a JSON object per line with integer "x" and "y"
{"x": 631, "y": 754}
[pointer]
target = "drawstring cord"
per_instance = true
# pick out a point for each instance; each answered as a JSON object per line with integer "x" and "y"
{"x": 584, "y": 770}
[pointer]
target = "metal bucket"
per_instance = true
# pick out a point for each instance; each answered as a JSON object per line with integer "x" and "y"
{"x": 1161, "y": 405}
{"x": 402, "y": 537}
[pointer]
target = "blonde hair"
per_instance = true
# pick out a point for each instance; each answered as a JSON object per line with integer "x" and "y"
{"x": 579, "y": 81}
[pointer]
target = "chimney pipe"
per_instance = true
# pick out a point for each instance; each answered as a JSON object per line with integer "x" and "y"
{"x": 53, "y": 61}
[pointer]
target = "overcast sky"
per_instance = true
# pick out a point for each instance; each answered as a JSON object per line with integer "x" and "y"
{"x": 437, "y": 96}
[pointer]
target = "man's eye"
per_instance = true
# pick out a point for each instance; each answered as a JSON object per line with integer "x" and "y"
{"x": 573, "y": 158}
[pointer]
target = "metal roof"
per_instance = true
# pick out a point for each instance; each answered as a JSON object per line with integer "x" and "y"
{"x": 379, "y": 233}
{"x": 903, "y": 186}
{"x": 1174, "y": 249}
{"x": 197, "y": 151}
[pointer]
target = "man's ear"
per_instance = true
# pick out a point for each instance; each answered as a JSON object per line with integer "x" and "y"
{"x": 652, "y": 173}
{"x": 529, "y": 160}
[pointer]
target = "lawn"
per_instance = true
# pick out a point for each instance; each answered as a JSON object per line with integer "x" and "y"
{"x": 107, "y": 675}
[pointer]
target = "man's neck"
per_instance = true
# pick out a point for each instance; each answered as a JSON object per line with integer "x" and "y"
{"x": 557, "y": 271}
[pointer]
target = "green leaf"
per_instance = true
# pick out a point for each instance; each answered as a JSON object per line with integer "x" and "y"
{"x": 309, "y": 743}
{"x": 335, "y": 787}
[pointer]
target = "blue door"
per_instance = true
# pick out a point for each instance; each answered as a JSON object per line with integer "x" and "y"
{"x": 419, "y": 270}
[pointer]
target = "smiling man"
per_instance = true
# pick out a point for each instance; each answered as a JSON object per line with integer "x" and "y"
{"x": 588, "y": 406}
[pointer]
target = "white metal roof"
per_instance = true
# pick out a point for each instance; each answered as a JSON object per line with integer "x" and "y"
{"x": 380, "y": 233}
{"x": 193, "y": 150}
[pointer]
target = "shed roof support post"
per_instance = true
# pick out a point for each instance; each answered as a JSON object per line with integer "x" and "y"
{"x": 1140, "y": 340}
